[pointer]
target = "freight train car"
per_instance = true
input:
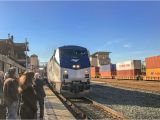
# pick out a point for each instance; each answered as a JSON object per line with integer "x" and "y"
{"x": 152, "y": 68}
{"x": 69, "y": 71}
{"x": 132, "y": 69}
{"x": 129, "y": 69}
{"x": 108, "y": 71}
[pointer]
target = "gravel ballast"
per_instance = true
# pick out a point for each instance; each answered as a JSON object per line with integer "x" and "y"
{"x": 132, "y": 104}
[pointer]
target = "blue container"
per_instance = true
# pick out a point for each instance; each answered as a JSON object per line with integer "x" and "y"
{"x": 113, "y": 67}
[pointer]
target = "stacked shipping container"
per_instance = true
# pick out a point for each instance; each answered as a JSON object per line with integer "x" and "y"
{"x": 152, "y": 68}
{"x": 94, "y": 72}
{"x": 107, "y": 71}
{"x": 129, "y": 69}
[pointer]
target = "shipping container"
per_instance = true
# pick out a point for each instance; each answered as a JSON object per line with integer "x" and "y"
{"x": 105, "y": 68}
{"x": 109, "y": 67}
{"x": 152, "y": 62}
{"x": 128, "y": 74}
{"x": 94, "y": 72}
{"x": 132, "y": 73}
{"x": 152, "y": 74}
{"x": 108, "y": 71}
{"x": 106, "y": 74}
{"x": 129, "y": 69}
{"x": 129, "y": 65}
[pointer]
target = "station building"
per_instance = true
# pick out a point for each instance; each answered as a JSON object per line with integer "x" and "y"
{"x": 100, "y": 58}
{"x": 13, "y": 54}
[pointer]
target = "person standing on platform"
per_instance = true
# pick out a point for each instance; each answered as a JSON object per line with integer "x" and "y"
{"x": 29, "y": 97}
{"x": 10, "y": 93}
{"x": 1, "y": 81}
{"x": 40, "y": 93}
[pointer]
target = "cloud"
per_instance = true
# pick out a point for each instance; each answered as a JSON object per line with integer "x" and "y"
{"x": 115, "y": 41}
{"x": 127, "y": 46}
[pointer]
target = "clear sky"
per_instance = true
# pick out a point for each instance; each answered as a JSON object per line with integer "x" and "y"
{"x": 130, "y": 30}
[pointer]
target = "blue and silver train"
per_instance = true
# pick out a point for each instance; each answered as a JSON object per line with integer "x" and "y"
{"x": 69, "y": 70}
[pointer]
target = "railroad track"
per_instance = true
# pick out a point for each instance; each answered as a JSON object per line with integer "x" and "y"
{"x": 85, "y": 108}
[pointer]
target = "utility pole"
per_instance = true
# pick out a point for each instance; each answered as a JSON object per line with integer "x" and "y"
{"x": 26, "y": 43}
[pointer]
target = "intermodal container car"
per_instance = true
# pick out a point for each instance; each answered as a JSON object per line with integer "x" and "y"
{"x": 95, "y": 72}
{"x": 153, "y": 62}
{"x": 152, "y": 68}
{"x": 129, "y": 69}
{"x": 108, "y": 71}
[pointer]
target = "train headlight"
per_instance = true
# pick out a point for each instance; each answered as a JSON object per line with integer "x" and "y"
{"x": 78, "y": 66}
{"x": 65, "y": 72}
{"x": 65, "y": 75}
{"x": 74, "y": 66}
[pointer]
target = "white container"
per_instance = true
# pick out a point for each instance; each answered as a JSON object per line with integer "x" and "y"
{"x": 129, "y": 65}
{"x": 105, "y": 68}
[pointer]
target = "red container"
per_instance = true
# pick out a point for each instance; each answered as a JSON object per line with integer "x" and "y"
{"x": 128, "y": 73}
{"x": 94, "y": 72}
{"x": 152, "y": 62}
{"x": 105, "y": 74}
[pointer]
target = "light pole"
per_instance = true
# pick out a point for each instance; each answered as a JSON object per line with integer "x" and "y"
{"x": 26, "y": 43}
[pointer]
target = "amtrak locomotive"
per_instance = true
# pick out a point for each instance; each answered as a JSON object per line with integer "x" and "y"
{"x": 69, "y": 70}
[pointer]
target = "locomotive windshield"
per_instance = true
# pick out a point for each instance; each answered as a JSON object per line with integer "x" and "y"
{"x": 73, "y": 55}
{"x": 71, "y": 52}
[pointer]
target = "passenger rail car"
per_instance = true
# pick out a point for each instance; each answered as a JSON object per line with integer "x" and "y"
{"x": 69, "y": 70}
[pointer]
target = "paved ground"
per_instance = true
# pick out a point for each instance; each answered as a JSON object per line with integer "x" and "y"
{"x": 131, "y": 103}
{"x": 54, "y": 109}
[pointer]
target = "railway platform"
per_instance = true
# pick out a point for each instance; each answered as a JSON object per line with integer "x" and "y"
{"x": 54, "y": 108}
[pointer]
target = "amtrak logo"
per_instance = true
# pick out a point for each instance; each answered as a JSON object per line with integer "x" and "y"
{"x": 75, "y": 60}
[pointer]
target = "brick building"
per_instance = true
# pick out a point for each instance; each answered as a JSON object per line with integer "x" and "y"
{"x": 14, "y": 51}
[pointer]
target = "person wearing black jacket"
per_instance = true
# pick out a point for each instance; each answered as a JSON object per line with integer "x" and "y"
{"x": 38, "y": 84}
{"x": 29, "y": 98}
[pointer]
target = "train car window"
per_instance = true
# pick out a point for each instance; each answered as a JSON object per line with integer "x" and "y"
{"x": 71, "y": 52}
{"x": 88, "y": 53}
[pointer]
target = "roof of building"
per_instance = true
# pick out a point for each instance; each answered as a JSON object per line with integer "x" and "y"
{"x": 6, "y": 40}
{"x": 100, "y": 53}
{"x": 34, "y": 55}
{"x": 22, "y": 46}
{"x": 18, "y": 46}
